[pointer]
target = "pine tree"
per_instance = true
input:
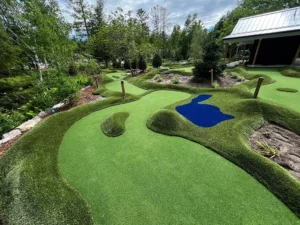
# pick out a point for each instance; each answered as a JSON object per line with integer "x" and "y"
{"x": 157, "y": 61}
{"x": 142, "y": 63}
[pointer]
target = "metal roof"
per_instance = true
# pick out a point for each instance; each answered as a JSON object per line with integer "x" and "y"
{"x": 284, "y": 21}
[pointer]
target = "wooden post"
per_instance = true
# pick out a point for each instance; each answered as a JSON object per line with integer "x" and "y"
{"x": 259, "y": 83}
{"x": 212, "y": 77}
{"x": 123, "y": 89}
{"x": 256, "y": 53}
{"x": 296, "y": 56}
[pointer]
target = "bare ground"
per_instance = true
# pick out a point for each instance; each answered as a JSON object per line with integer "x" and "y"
{"x": 287, "y": 142}
{"x": 227, "y": 81}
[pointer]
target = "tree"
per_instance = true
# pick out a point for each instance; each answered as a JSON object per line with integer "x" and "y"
{"x": 157, "y": 61}
{"x": 198, "y": 41}
{"x": 142, "y": 63}
{"x": 97, "y": 17}
{"x": 211, "y": 60}
{"x": 143, "y": 18}
{"x": 82, "y": 15}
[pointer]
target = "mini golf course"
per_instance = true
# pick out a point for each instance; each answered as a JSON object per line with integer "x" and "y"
{"x": 138, "y": 161}
{"x": 270, "y": 92}
{"x": 143, "y": 177}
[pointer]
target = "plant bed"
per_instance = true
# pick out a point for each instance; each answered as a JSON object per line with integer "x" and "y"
{"x": 280, "y": 145}
{"x": 183, "y": 80}
{"x": 228, "y": 81}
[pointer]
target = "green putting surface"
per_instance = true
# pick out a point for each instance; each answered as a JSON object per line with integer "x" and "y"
{"x": 116, "y": 84}
{"x": 143, "y": 177}
{"x": 269, "y": 92}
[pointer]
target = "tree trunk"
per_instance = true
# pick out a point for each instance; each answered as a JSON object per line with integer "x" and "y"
{"x": 37, "y": 63}
{"x": 130, "y": 65}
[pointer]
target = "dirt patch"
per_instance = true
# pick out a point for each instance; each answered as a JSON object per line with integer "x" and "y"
{"x": 86, "y": 96}
{"x": 279, "y": 138}
{"x": 228, "y": 81}
{"x": 183, "y": 81}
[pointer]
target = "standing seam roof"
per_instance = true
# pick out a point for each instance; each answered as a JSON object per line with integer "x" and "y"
{"x": 268, "y": 23}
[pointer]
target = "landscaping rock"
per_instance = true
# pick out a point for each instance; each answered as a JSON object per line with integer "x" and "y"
{"x": 29, "y": 124}
{"x": 9, "y": 136}
{"x": 43, "y": 114}
{"x": 59, "y": 105}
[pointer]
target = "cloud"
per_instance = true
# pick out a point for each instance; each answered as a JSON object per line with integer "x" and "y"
{"x": 209, "y": 11}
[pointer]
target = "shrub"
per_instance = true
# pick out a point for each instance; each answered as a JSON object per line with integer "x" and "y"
{"x": 158, "y": 78}
{"x": 73, "y": 69}
{"x": 211, "y": 60}
{"x": 157, "y": 61}
{"x": 142, "y": 63}
{"x": 134, "y": 64}
{"x": 175, "y": 80}
{"x": 10, "y": 120}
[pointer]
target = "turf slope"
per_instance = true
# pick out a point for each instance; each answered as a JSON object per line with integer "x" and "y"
{"x": 144, "y": 177}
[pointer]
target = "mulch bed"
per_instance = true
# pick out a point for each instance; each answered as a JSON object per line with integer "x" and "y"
{"x": 223, "y": 81}
{"x": 84, "y": 97}
{"x": 286, "y": 141}
{"x": 229, "y": 81}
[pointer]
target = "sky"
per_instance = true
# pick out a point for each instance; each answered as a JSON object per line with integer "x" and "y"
{"x": 209, "y": 11}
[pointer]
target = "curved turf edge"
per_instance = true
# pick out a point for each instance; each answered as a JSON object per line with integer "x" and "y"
{"x": 30, "y": 182}
{"x": 114, "y": 126}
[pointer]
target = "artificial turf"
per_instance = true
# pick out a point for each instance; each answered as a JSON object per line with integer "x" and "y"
{"x": 115, "y": 85}
{"x": 143, "y": 177}
{"x": 270, "y": 93}
{"x": 179, "y": 183}
{"x": 114, "y": 125}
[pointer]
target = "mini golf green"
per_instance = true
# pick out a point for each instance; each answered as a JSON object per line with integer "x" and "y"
{"x": 143, "y": 177}
{"x": 116, "y": 84}
{"x": 269, "y": 92}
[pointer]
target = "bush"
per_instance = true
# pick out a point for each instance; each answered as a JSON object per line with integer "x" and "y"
{"x": 142, "y": 63}
{"x": 211, "y": 60}
{"x": 157, "y": 61}
{"x": 73, "y": 69}
{"x": 134, "y": 64}
{"x": 10, "y": 120}
{"x": 175, "y": 80}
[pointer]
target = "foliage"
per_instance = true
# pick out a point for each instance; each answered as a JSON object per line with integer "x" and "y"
{"x": 126, "y": 64}
{"x": 157, "y": 61}
{"x": 267, "y": 150}
{"x": 116, "y": 64}
{"x": 287, "y": 90}
{"x": 10, "y": 120}
{"x": 73, "y": 69}
{"x": 114, "y": 126}
{"x": 175, "y": 80}
{"x": 211, "y": 60}
{"x": 158, "y": 78}
{"x": 142, "y": 63}
{"x": 16, "y": 83}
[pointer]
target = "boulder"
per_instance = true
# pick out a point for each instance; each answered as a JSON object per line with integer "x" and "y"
{"x": 59, "y": 105}
{"x": 9, "y": 136}
{"x": 43, "y": 114}
{"x": 29, "y": 124}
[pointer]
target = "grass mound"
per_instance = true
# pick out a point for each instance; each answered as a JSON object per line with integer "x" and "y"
{"x": 290, "y": 72}
{"x": 287, "y": 90}
{"x": 165, "y": 121}
{"x": 114, "y": 125}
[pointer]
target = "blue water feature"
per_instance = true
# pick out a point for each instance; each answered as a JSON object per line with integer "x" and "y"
{"x": 203, "y": 115}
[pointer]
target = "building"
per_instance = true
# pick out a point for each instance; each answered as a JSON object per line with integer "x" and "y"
{"x": 272, "y": 38}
